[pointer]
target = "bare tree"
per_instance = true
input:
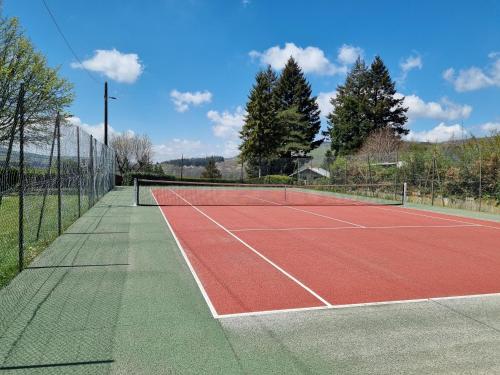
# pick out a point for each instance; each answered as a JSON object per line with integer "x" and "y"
{"x": 143, "y": 152}
{"x": 381, "y": 145}
{"x": 133, "y": 152}
{"x": 123, "y": 146}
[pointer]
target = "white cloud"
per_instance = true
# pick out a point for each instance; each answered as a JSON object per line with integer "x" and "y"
{"x": 310, "y": 59}
{"x": 448, "y": 74}
{"x": 96, "y": 130}
{"x": 490, "y": 127}
{"x": 183, "y": 100}
{"x": 177, "y": 147}
{"x": 323, "y": 101}
{"x": 475, "y": 78}
{"x": 226, "y": 124}
{"x": 230, "y": 149}
{"x": 444, "y": 110}
{"x": 348, "y": 54}
{"x": 411, "y": 62}
{"x": 121, "y": 67}
{"x": 440, "y": 133}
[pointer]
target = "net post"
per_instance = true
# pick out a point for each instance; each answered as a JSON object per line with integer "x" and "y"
{"x": 136, "y": 192}
{"x": 405, "y": 192}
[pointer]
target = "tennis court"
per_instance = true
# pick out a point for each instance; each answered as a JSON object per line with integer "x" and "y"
{"x": 254, "y": 249}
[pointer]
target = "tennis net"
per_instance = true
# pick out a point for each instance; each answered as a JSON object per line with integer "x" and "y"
{"x": 182, "y": 193}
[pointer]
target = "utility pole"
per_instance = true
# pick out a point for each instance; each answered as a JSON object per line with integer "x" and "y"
{"x": 106, "y": 97}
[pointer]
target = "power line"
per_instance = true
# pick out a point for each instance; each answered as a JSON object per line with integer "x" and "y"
{"x": 67, "y": 43}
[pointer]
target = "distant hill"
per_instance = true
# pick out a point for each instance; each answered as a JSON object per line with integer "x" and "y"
{"x": 318, "y": 154}
{"x": 229, "y": 167}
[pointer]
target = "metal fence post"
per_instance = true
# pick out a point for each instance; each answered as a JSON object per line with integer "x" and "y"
{"x": 91, "y": 170}
{"x": 47, "y": 178}
{"x": 480, "y": 177}
{"x": 79, "y": 171}
{"x": 432, "y": 181}
{"x": 405, "y": 192}
{"x": 59, "y": 190}
{"x": 21, "y": 178}
{"x": 136, "y": 192}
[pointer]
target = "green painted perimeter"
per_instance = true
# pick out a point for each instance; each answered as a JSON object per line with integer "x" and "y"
{"x": 123, "y": 301}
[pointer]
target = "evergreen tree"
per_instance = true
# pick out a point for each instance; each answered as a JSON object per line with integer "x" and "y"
{"x": 293, "y": 91}
{"x": 365, "y": 103}
{"x": 385, "y": 111}
{"x": 211, "y": 171}
{"x": 294, "y": 140}
{"x": 260, "y": 134}
{"x": 347, "y": 123}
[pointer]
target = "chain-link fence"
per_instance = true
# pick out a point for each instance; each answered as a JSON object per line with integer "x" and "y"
{"x": 457, "y": 174}
{"x": 50, "y": 174}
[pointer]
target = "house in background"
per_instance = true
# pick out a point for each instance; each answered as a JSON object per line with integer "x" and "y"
{"x": 308, "y": 173}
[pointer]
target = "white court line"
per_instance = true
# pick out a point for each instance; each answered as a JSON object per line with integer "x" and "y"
{"x": 430, "y": 216}
{"x": 309, "y": 212}
{"x": 356, "y": 305}
{"x": 339, "y": 228}
{"x": 317, "y": 296}
{"x": 190, "y": 266}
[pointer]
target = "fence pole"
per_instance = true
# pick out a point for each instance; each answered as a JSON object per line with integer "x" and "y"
{"x": 405, "y": 192}
{"x": 79, "y": 171}
{"x": 59, "y": 190}
{"x": 182, "y": 165}
{"x": 345, "y": 173}
{"x": 480, "y": 176}
{"x": 47, "y": 178}
{"x": 432, "y": 180}
{"x": 91, "y": 170}
{"x": 136, "y": 192}
{"x": 21, "y": 177}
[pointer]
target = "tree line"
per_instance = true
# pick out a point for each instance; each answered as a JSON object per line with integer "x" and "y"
{"x": 283, "y": 118}
{"x": 195, "y": 162}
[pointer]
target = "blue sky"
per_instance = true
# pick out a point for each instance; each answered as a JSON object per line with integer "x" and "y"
{"x": 182, "y": 69}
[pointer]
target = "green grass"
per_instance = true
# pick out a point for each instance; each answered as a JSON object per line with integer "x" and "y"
{"x": 34, "y": 242}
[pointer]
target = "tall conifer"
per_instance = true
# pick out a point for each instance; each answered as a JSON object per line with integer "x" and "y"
{"x": 260, "y": 134}
{"x": 293, "y": 92}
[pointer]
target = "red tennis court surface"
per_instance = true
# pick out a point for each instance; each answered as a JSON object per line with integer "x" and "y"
{"x": 251, "y": 259}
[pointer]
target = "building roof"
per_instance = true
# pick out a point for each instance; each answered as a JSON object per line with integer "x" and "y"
{"x": 320, "y": 172}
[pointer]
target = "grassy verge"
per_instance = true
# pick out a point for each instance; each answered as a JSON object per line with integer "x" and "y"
{"x": 38, "y": 232}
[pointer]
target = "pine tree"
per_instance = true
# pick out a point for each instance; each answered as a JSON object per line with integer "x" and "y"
{"x": 385, "y": 111}
{"x": 211, "y": 171}
{"x": 294, "y": 140}
{"x": 365, "y": 103}
{"x": 293, "y": 91}
{"x": 347, "y": 123}
{"x": 260, "y": 134}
